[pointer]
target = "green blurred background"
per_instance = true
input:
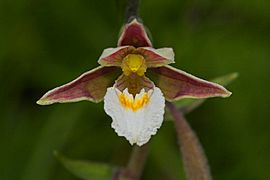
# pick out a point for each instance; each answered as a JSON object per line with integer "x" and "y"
{"x": 45, "y": 43}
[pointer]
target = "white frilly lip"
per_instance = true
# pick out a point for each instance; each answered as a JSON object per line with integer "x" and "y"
{"x": 136, "y": 126}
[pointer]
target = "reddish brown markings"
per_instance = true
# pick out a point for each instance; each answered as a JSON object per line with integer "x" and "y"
{"x": 183, "y": 84}
{"x": 135, "y": 35}
{"x": 77, "y": 88}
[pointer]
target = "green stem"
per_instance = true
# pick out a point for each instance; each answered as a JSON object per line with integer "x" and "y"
{"x": 132, "y": 10}
{"x": 135, "y": 166}
{"x": 137, "y": 160}
{"x": 195, "y": 161}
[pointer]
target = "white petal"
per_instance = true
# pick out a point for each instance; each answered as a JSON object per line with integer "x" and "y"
{"x": 136, "y": 125}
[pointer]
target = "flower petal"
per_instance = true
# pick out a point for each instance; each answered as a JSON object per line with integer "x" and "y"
{"x": 90, "y": 86}
{"x": 134, "y": 84}
{"x": 134, "y": 34}
{"x": 176, "y": 84}
{"x": 157, "y": 57}
{"x": 114, "y": 56}
{"x": 135, "y": 123}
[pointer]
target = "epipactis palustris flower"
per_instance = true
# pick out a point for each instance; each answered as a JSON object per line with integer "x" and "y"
{"x": 135, "y": 103}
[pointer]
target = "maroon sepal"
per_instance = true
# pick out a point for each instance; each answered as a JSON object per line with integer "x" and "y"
{"x": 134, "y": 34}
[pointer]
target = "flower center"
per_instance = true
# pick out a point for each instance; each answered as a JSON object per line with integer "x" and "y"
{"x": 134, "y": 63}
{"x": 134, "y": 103}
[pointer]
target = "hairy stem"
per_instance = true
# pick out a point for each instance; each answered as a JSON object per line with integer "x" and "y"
{"x": 135, "y": 165}
{"x": 132, "y": 10}
{"x": 195, "y": 162}
{"x": 137, "y": 160}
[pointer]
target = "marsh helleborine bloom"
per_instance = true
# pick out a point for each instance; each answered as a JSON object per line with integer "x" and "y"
{"x": 134, "y": 102}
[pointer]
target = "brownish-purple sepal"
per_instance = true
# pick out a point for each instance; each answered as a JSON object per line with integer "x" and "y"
{"x": 134, "y": 34}
{"x": 90, "y": 86}
{"x": 176, "y": 84}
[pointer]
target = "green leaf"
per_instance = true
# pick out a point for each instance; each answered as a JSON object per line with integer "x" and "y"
{"x": 226, "y": 79}
{"x": 188, "y": 105}
{"x": 85, "y": 169}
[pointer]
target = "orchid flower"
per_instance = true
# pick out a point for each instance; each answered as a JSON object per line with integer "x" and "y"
{"x": 135, "y": 102}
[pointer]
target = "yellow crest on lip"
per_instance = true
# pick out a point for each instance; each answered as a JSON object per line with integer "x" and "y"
{"x": 134, "y": 104}
{"x": 134, "y": 63}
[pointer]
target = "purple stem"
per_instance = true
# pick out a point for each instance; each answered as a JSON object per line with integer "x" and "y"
{"x": 195, "y": 162}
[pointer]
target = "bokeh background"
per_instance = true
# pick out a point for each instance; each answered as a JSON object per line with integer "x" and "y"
{"x": 45, "y": 43}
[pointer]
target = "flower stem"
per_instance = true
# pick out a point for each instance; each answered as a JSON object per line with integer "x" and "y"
{"x": 195, "y": 162}
{"x": 137, "y": 160}
{"x": 136, "y": 163}
{"x": 132, "y": 10}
